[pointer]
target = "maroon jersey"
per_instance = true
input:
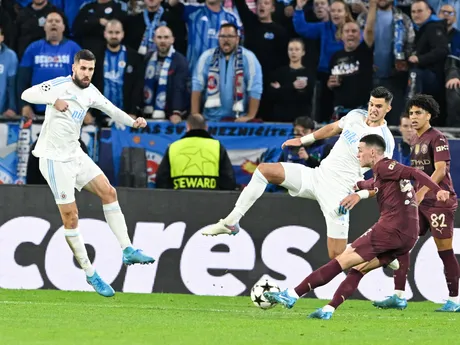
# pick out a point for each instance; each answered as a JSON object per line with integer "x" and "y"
{"x": 431, "y": 147}
{"x": 396, "y": 196}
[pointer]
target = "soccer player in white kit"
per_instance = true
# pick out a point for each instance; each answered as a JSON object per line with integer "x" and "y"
{"x": 66, "y": 167}
{"x": 329, "y": 183}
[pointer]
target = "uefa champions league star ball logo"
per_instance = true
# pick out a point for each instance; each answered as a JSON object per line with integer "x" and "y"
{"x": 257, "y": 293}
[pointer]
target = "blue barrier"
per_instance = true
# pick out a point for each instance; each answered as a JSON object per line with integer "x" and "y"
{"x": 247, "y": 145}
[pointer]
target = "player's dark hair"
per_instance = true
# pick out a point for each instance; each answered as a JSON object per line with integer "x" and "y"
{"x": 382, "y": 92}
{"x": 1, "y": 29}
{"x": 230, "y": 25}
{"x": 196, "y": 121}
{"x": 404, "y": 116}
{"x": 305, "y": 121}
{"x": 84, "y": 54}
{"x": 374, "y": 140}
{"x": 425, "y": 102}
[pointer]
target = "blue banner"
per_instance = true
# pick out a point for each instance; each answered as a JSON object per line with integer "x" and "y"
{"x": 13, "y": 157}
{"x": 247, "y": 144}
{"x": 15, "y": 143}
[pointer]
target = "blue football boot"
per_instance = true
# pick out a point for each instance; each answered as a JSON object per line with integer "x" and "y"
{"x": 100, "y": 286}
{"x": 281, "y": 297}
{"x": 133, "y": 256}
{"x": 392, "y": 302}
{"x": 320, "y": 314}
{"x": 449, "y": 307}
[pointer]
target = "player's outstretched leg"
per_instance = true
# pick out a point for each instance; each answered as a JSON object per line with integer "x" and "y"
{"x": 452, "y": 272}
{"x": 116, "y": 220}
{"x": 320, "y": 277}
{"x": 345, "y": 289}
{"x": 75, "y": 241}
{"x": 117, "y": 223}
{"x": 264, "y": 174}
{"x": 397, "y": 300}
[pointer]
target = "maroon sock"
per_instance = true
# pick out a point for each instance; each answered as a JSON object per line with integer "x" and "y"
{"x": 451, "y": 271}
{"x": 400, "y": 275}
{"x": 320, "y": 277}
{"x": 346, "y": 289}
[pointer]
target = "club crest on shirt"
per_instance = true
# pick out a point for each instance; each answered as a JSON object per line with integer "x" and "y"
{"x": 424, "y": 148}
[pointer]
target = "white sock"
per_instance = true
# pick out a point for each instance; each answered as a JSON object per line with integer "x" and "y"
{"x": 399, "y": 293}
{"x": 248, "y": 197}
{"x": 453, "y": 299}
{"x": 328, "y": 308}
{"x": 292, "y": 293}
{"x": 75, "y": 241}
{"x": 117, "y": 223}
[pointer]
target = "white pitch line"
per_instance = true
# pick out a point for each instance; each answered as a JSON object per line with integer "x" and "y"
{"x": 255, "y": 311}
{"x": 128, "y": 305}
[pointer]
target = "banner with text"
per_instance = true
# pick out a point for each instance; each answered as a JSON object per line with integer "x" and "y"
{"x": 282, "y": 239}
{"x": 247, "y": 144}
{"x": 17, "y": 138}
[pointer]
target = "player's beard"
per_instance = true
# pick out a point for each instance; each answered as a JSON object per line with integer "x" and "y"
{"x": 80, "y": 83}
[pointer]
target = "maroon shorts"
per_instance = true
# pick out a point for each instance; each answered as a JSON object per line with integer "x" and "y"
{"x": 439, "y": 220}
{"x": 384, "y": 244}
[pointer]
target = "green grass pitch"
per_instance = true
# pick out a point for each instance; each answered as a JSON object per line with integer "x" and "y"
{"x": 58, "y": 317}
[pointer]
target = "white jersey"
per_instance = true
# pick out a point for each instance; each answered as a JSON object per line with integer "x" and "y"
{"x": 60, "y": 132}
{"x": 342, "y": 164}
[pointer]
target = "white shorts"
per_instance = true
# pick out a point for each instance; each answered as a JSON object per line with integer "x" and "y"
{"x": 311, "y": 183}
{"x": 64, "y": 177}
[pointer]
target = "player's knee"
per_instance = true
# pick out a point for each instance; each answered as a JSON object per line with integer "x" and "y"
{"x": 333, "y": 253}
{"x": 273, "y": 172}
{"x": 110, "y": 194}
{"x": 335, "y": 248}
{"x": 70, "y": 218}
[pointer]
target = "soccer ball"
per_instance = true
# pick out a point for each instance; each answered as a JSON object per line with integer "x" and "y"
{"x": 257, "y": 293}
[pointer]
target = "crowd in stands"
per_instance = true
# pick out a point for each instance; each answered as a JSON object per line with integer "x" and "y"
{"x": 236, "y": 60}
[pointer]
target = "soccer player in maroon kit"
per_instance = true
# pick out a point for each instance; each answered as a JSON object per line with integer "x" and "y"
{"x": 393, "y": 235}
{"x": 430, "y": 153}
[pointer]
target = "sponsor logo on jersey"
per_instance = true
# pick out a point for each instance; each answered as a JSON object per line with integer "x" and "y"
{"x": 442, "y": 148}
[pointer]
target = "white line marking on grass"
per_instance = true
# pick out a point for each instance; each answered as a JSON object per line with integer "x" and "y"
{"x": 138, "y": 306}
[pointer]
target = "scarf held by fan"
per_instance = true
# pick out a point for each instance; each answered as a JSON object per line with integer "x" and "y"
{"x": 213, "y": 87}
{"x": 155, "y": 90}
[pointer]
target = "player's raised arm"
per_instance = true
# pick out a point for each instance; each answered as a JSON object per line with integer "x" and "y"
{"x": 365, "y": 184}
{"x": 325, "y": 132}
{"x": 364, "y": 190}
{"x": 104, "y": 105}
{"x": 395, "y": 171}
{"x": 44, "y": 93}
